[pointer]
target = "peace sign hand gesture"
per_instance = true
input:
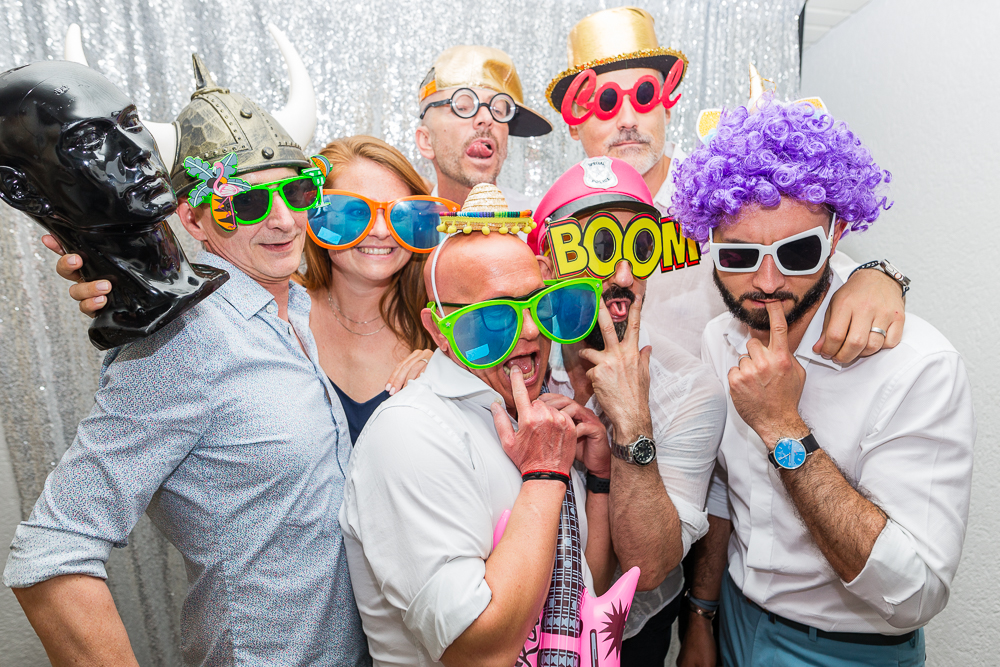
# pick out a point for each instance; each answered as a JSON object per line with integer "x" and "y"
{"x": 620, "y": 375}
{"x": 767, "y": 384}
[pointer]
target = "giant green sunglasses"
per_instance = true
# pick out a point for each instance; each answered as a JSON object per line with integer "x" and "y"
{"x": 300, "y": 193}
{"x": 484, "y": 334}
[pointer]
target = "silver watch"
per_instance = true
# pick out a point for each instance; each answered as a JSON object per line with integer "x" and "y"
{"x": 642, "y": 452}
{"x": 894, "y": 273}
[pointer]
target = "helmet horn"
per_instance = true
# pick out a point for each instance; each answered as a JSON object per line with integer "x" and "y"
{"x": 73, "y": 48}
{"x": 298, "y": 116}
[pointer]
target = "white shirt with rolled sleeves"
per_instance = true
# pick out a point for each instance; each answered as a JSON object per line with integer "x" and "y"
{"x": 688, "y": 409}
{"x": 427, "y": 484}
{"x": 901, "y": 424}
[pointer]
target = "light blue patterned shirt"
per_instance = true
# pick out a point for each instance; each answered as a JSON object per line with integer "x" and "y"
{"x": 230, "y": 437}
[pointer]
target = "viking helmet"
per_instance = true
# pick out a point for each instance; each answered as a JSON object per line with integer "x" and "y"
{"x": 218, "y": 121}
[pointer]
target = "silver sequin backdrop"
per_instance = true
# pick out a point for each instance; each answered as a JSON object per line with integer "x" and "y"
{"x": 366, "y": 59}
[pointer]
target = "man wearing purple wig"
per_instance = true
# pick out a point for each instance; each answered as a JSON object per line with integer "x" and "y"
{"x": 842, "y": 491}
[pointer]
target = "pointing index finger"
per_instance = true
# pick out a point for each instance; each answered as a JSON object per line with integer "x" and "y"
{"x": 779, "y": 327}
{"x": 519, "y": 391}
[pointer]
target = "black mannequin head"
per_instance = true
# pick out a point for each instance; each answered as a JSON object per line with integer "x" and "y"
{"x": 72, "y": 149}
{"x": 74, "y": 156}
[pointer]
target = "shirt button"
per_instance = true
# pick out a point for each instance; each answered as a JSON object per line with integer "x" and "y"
{"x": 289, "y": 329}
{"x": 271, "y": 308}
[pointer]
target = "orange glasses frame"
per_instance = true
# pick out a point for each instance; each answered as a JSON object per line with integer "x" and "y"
{"x": 386, "y": 208}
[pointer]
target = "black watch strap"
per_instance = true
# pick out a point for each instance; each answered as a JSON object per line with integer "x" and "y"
{"x": 808, "y": 443}
{"x": 597, "y": 484}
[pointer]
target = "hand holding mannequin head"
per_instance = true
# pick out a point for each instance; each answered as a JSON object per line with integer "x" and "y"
{"x": 74, "y": 156}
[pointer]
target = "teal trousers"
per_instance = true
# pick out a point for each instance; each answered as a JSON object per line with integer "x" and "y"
{"x": 748, "y": 637}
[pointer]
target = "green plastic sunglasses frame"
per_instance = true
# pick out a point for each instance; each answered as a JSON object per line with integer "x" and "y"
{"x": 313, "y": 173}
{"x": 446, "y": 324}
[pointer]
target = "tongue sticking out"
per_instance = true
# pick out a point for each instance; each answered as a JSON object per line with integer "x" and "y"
{"x": 526, "y": 363}
{"x": 480, "y": 149}
{"x": 618, "y": 309}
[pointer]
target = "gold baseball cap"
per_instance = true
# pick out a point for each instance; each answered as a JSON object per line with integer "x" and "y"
{"x": 484, "y": 67}
{"x": 612, "y": 39}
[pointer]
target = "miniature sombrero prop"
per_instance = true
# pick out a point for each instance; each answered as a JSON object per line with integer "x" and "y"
{"x": 708, "y": 120}
{"x": 613, "y": 39}
{"x": 485, "y": 210}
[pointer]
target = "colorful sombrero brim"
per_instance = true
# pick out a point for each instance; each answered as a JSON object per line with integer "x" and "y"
{"x": 502, "y": 222}
{"x": 660, "y": 58}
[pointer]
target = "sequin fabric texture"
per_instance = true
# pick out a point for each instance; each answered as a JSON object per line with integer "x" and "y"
{"x": 226, "y": 431}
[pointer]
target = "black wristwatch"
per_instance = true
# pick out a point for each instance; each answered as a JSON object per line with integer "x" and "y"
{"x": 641, "y": 452}
{"x": 597, "y": 484}
{"x": 790, "y": 453}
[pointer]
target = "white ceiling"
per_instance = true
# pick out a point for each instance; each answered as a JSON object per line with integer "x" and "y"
{"x": 822, "y": 15}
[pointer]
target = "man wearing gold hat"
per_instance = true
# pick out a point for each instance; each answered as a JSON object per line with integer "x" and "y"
{"x": 470, "y": 102}
{"x": 623, "y": 112}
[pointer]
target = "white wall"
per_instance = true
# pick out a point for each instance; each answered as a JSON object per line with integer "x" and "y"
{"x": 917, "y": 80}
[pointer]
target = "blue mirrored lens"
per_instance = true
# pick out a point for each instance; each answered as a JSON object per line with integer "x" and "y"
{"x": 484, "y": 335}
{"x": 342, "y": 221}
{"x": 568, "y": 313}
{"x": 416, "y": 221}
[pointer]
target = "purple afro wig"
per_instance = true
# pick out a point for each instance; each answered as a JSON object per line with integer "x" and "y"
{"x": 790, "y": 150}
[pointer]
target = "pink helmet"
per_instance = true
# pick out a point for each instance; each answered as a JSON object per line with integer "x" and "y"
{"x": 597, "y": 182}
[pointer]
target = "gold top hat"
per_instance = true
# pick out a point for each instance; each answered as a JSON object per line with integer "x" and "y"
{"x": 612, "y": 39}
{"x": 485, "y": 209}
{"x": 484, "y": 67}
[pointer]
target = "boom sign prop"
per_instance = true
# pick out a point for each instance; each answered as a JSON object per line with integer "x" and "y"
{"x": 597, "y": 246}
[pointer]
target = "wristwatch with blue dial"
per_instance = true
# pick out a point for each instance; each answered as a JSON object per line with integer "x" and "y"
{"x": 790, "y": 453}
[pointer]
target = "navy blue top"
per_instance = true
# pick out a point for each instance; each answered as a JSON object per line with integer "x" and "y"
{"x": 358, "y": 413}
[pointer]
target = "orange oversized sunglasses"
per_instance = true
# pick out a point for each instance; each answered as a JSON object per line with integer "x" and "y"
{"x": 343, "y": 219}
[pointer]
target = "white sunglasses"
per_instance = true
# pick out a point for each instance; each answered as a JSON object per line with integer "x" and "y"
{"x": 798, "y": 255}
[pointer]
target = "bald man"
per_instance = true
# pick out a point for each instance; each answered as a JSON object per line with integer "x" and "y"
{"x": 438, "y": 464}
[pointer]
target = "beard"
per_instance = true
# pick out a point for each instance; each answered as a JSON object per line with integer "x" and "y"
{"x": 450, "y": 161}
{"x": 643, "y": 157}
{"x": 595, "y": 339}
{"x": 758, "y": 318}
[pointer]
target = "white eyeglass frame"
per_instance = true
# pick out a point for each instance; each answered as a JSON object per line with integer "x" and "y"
{"x": 764, "y": 250}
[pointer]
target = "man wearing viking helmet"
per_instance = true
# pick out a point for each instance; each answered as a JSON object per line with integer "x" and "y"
{"x": 470, "y": 102}
{"x": 221, "y": 426}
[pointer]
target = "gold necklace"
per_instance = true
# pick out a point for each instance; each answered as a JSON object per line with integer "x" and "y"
{"x": 334, "y": 308}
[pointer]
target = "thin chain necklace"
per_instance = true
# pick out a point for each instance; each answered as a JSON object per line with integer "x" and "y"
{"x": 334, "y": 308}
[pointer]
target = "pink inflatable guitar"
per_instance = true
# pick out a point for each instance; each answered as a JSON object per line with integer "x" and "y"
{"x": 575, "y": 629}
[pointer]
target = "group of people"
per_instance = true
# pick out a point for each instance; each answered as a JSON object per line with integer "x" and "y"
{"x": 409, "y": 452}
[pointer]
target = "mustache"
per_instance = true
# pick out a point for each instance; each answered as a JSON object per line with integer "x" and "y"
{"x": 482, "y": 134}
{"x": 761, "y": 296}
{"x": 628, "y": 134}
{"x": 618, "y": 292}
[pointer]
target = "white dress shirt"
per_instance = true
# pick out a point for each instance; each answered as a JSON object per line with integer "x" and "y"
{"x": 688, "y": 409}
{"x": 427, "y": 484}
{"x": 900, "y": 425}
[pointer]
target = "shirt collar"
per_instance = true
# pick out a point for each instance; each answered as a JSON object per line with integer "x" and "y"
{"x": 448, "y": 379}
{"x": 244, "y": 293}
{"x": 737, "y": 334}
{"x": 666, "y": 191}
